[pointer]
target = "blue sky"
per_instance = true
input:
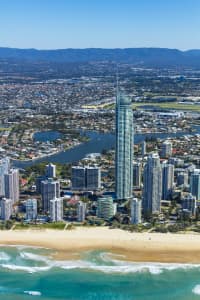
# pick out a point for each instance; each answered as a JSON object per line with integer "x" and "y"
{"x": 52, "y": 24}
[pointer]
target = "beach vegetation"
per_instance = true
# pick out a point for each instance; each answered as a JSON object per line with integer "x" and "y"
{"x": 6, "y": 225}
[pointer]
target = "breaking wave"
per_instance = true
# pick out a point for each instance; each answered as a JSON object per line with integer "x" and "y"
{"x": 33, "y": 293}
{"x": 27, "y": 261}
{"x": 196, "y": 289}
{"x": 4, "y": 256}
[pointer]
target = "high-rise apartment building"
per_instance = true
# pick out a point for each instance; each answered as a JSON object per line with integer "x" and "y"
{"x": 50, "y": 189}
{"x": 136, "y": 211}
{"x": 56, "y": 209}
{"x": 167, "y": 180}
{"x": 124, "y": 148}
{"x": 143, "y": 148}
{"x": 78, "y": 178}
{"x": 86, "y": 178}
{"x": 50, "y": 171}
{"x": 31, "y": 209}
{"x": 195, "y": 184}
{"x": 137, "y": 174}
{"x": 12, "y": 185}
{"x": 38, "y": 183}
{"x": 182, "y": 178}
{"x": 4, "y": 169}
{"x": 105, "y": 208}
{"x": 166, "y": 149}
{"x": 93, "y": 178}
{"x": 6, "y": 209}
{"x": 189, "y": 202}
{"x": 81, "y": 211}
{"x": 152, "y": 190}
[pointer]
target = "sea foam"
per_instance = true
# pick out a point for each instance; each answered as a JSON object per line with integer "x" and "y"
{"x": 101, "y": 262}
{"x": 33, "y": 293}
{"x": 33, "y": 256}
{"x": 4, "y": 256}
{"x": 196, "y": 289}
{"x": 25, "y": 268}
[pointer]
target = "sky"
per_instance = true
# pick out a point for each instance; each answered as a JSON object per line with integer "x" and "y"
{"x": 58, "y": 24}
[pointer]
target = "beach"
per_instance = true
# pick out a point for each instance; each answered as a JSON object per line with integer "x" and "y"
{"x": 137, "y": 247}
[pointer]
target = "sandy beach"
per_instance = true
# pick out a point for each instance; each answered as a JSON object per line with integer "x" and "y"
{"x": 140, "y": 247}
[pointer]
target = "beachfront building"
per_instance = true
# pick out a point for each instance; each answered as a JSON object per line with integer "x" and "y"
{"x": 6, "y": 208}
{"x": 167, "y": 180}
{"x": 50, "y": 189}
{"x": 31, "y": 209}
{"x": 195, "y": 184}
{"x": 56, "y": 209}
{"x": 11, "y": 180}
{"x": 137, "y": 174}
{"x": 166, "y": 149}
{"x": 124, "y": 148}
{"x": 106, "y": 209}
{"x": 189, "y": 202}
{"x": 81, "y": 211}
{"x": 136, "y": 210}
{"x": 50, "y": 171}
{"x": 152, "y": 190}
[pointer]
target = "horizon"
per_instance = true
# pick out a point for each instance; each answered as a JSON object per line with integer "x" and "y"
{"x": 102, "y": 48}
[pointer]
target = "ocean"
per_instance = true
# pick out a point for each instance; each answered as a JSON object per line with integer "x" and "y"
{"x": 31, "y": 273}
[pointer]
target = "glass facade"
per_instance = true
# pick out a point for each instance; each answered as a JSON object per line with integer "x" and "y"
{"x": 124, "y": 148}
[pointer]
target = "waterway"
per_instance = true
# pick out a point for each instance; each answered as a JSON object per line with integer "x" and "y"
{"x": 97, "y": 143}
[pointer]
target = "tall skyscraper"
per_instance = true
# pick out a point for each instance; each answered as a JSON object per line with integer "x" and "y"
{"x": 124, "y": 148}
{"x": 56, "y": 209}
{"x": 136, "y": 211}
{"x": 195, "y": 184}
{"x": 31, "y": 209}
{"x": 4, "y": 169}
{"x": 152, "y": 190}
{"x": 12, "y": 185}
{"x": 167, "y": 180}
{"x": 50, "y": 189}
{"x": 50, "y": 171}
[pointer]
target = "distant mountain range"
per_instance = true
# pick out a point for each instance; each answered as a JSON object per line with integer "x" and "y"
{"x": 150, "y": 57}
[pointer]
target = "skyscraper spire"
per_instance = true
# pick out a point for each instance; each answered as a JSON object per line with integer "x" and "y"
{"x": 117, "y": 85}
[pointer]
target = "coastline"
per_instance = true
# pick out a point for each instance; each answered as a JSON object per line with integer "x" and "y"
{"x": 137, "y": 247}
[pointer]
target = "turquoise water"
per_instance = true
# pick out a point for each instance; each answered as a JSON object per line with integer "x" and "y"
{"x": 30, "y": 273}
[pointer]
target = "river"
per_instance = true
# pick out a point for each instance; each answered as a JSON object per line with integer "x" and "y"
{"x": 97, "y": 143}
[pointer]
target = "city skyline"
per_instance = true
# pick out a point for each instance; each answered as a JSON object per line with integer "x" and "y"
{"x": 113, "y": 24}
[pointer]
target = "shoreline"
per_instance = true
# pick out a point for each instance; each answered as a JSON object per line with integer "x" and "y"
{"x": 135, "y": 247}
